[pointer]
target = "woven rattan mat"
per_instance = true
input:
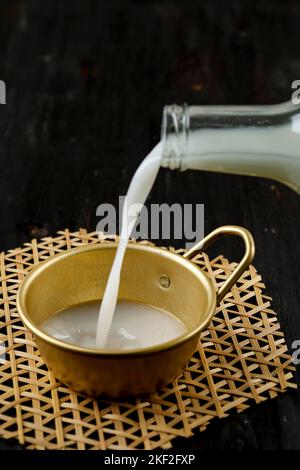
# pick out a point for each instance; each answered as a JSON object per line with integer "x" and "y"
{"x": 242, "y": 359}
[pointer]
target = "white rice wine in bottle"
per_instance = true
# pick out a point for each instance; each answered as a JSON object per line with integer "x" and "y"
{"x": 247, "y": 140}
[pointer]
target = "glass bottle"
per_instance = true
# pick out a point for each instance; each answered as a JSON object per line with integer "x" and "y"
{"x": 247, "y": 140}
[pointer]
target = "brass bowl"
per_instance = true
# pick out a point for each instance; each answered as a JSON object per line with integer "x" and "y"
{"x": 150, "y": 275}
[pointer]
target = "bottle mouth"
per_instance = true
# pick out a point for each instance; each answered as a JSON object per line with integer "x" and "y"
{"x": 174, "y": 134}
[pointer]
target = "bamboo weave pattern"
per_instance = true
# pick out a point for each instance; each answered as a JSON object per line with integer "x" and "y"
{"x": 241, "y": 359}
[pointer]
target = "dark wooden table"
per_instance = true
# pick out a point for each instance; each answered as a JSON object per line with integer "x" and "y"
{"x": 86, "y": 83}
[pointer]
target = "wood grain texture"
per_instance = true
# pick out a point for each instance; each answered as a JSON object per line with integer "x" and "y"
{"x": 86, "y": 83}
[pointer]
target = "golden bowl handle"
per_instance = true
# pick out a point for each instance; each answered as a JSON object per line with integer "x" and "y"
{"x": 243, "y": 264}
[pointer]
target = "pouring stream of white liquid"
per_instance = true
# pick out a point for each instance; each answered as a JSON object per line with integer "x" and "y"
{"x": 137, "y": 193}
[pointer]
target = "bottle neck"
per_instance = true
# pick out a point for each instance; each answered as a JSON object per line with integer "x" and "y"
{"x": 174, "y": 135}
{"x": 215, "y": 137}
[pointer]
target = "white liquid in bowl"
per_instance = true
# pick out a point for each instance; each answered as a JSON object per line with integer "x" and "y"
{"x": 134, "y": 325}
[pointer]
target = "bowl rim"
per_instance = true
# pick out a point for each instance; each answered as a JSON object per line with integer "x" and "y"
{"x": 42, "y": 266}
